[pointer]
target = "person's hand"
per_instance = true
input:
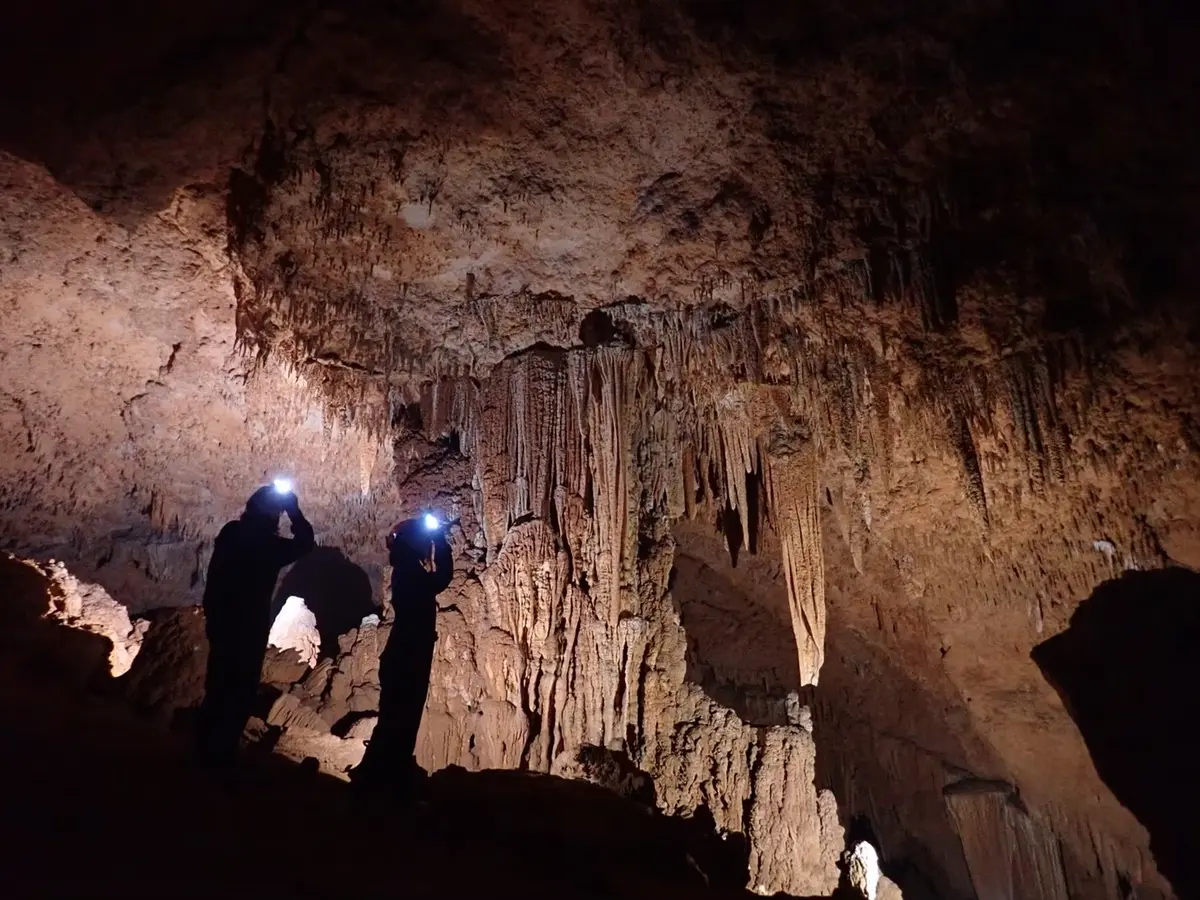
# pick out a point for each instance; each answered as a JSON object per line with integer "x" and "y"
{"x": 291, "y": 505}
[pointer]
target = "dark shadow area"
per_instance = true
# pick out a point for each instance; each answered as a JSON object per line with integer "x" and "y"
{"x": 72, "y": 69}
{"x": 724, "y": 859}
{"x": 37, "y": 648}
{"x": 880, "y": 736}
{"x": 755, "y": 499}
{"x": 729, "y": 523}
{"x": 90, "y": 779}
{"x": 614, "y": 770}
{"x": 740, "y": 644}
{"x": 166, "y": 681}
{"x": 597, "y": 329}
{"x": 337, "y": 591}
{"x": 1127, "y": 670}
{"x": 859, "y": 829}
{"x": 111, "y": 97}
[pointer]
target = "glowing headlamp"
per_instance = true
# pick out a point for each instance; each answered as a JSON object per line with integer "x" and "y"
{"x": 283, "y": 485}
{"x": 431, "y": 522}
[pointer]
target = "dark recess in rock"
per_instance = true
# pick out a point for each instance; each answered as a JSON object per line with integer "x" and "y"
{"x": 1127, "y": 670}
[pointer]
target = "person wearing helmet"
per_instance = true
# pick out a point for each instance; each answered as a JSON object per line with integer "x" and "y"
{"x": 247, "y": 557}
{"x": 422, "y": 566}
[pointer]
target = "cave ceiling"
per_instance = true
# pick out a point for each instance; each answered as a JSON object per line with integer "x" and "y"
{"x": 433, "y": 186}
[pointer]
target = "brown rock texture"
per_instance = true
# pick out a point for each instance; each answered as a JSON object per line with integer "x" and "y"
{"x": 34, "y": 644}
{"x": 169, "y": 675}
{"x": 787, "y": 373}
{"x": 90, "y": 608}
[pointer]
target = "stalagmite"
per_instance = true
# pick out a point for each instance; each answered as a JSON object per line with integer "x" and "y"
{"x": 295, "y": 628}
{"x": 794, "y": 841}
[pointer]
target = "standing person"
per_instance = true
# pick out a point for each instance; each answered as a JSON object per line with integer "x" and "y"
{"x": 389, "y": 764}
{"x": 246, "y": 559}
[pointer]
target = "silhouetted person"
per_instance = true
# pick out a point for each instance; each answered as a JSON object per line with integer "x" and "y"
{"x": 246, "y": 559}
{"x": 389, "y": 766}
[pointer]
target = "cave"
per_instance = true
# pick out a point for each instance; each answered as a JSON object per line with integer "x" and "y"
{"x": 808, "y": 391}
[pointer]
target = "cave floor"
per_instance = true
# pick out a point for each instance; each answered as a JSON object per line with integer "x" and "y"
{"x": 101, "y": 803}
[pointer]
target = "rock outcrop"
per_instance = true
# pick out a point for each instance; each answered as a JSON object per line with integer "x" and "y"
{"x": 90, "y": 608}
{"x": 168, "y": 675}
{"x": 861, "y": 863}
{"x": 295, "y": 628}
{"x": 33, "y": 593}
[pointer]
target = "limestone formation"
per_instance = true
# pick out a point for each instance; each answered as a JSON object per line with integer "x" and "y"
{"x": 864, "y": 876}
{"x": 785, "y": 374}
{"x": 90, "y": 608}
{"x": 295, "y": 628}
{"x": 61, "y": 597}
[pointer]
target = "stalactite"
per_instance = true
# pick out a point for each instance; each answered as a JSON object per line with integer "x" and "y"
{"x": 1010, "y": 855}
{"x": 534, "y": 434}
{"x": 801, "y": 859}
{"x": 576, "y": 453}
{"x": 610, "y": 446}
{"x": 580, "y": 644}
{"x": 792, "y": 495}
{"x": 1034, "y": 405}
{"x": 733, "y": 437}
{"x": 964, "y": 444}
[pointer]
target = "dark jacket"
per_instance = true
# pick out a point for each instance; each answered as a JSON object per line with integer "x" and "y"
{"x": 246, "y": 561}
{"x": 412, "y": 584}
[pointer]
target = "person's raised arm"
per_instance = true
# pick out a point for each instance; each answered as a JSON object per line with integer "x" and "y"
{"x": 443, "y": 561}
{"x": 303, "y": 539}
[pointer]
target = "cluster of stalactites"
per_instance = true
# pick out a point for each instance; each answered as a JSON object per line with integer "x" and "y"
{"x": 588, "y": 439}
{"x": 768, "y": 483}
{"x": 565, "y": 438}
{"x": 552, "y": 438}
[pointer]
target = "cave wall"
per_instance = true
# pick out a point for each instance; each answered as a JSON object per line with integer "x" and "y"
{"x": 933, "y": 696}
{"x": 568, "y": 628}
{"x": 1151, "y": 618}
{"x": 133, "y": 428}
